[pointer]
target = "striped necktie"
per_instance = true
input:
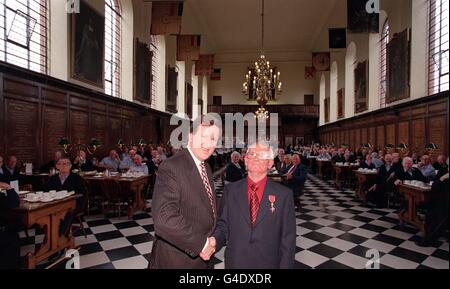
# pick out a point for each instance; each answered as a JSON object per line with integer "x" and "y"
{"x": 208, "y": 189}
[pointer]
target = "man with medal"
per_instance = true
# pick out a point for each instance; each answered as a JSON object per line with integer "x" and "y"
{"x": 256, "y": 220}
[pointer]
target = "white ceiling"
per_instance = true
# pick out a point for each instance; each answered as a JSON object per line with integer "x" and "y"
{"x": 235, "y": 25}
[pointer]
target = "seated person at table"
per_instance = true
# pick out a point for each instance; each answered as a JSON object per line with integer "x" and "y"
{"x": 339, "y": 157}
{"x": 296, "y": 177}
{"x": 9, "y": 239}
{"x": 385, "y": 183}
{"x": 82, "y": 163}
{"x": 10, "y": 170}
{"x": 440, "y": 163}
{"x": 51, "y": 164}
{"x": 426, "y": 168}
{"x": 286, "y": 165}
{"x": 110, "y": 162}
{"x": 279, "y": 159}
{"x": 66, "y": 180}
{"x": 415, "y": 158}
{"x": 368, "y": 164}
{"x": 324, "y": 155}
{"x": 127, "y": 160}
{"x": 234, "y": 170}
{"x": 408, "y": 172}
{"x": 138, "y": 166}
{"x": 376, "y": 160}
{"x": 396, "y": 161}
{"x": 348, "y": 158}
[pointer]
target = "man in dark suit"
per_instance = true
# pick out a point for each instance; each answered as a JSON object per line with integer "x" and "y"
{"x": 408, "y": 172}
{"x": 184, "y": 203}
{"x": 82, "y": 163}
{"x": 2, "y": 173}
{"x": 256, "y": 218}
{"x": 279, "y": 159}
{"x": 10, "y": 170}
{"x": 66, "y": 180}
{"x": 296, "y": 178}
{"x": 51, "y": 164}
{"x": 368, "y": 164}
{"x": 234, "y": 170}
{"x": 384, "y": 183}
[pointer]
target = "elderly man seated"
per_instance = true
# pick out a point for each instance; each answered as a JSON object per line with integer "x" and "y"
{"x": 384, "y": 183}
{"x": 426, "y": 168}
{"x": 286, "y": 165}
{"x": 440, "y": 163}
{"x": 82, "y": 163}
{"x": 296, "y": 178}
{"x": 368, "y": 164}
{"x": 408, "y": 172}
{"x": 376, "y": 160}
{"x": 10, "y": 170}
{"x": 128, "y": 160}
{"x": 235, "y": 171}
{"x": 110, "y": 162}
{"x": 138, "y": 166}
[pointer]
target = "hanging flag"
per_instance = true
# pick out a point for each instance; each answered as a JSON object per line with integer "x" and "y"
{"x": 216, "y": 74}
{"x": 337, "y": 38}
{"x": 166, "y": 17}
{"x": 310, "y": 72}
{"x": 188, "y": 47}
{"x": 204, "y": 65}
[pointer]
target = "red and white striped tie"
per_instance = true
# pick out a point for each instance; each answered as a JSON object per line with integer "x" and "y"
{"x": 208, "y": 188}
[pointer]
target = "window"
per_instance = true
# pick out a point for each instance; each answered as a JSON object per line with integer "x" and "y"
{"x": 383, "y": 63}
{"x": 112, "y": 47}
{"x": 438, "y": 45}
{"x": 23, "y": 33}
{"x": 155, "y": 64}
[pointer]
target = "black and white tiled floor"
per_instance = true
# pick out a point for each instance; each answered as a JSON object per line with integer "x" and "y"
{"x": 333, "y": 231}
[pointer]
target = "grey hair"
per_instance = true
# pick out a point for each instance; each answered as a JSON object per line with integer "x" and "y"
{"x": 407, "y": 159}
{"x": 235, "y": 153}
{"x": 263, "y": 143}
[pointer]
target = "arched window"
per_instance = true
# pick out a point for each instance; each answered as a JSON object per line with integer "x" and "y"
{"x": 383, "y": 63}
{"x": 350, "y": 64}
{"x": 155, "y": 57}
{"x": 112, "y": 47}
{"x": 333, "y": 91}
{"x": 23, "y": 33}
{"x": 438, "y": 45}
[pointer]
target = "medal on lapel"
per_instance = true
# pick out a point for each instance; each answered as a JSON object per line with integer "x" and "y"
{"x": 272, "y": 202}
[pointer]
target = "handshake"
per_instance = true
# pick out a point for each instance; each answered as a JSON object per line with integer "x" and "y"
{"x": 209, "y": 250}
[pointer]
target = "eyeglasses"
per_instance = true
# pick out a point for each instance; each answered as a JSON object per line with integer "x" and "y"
{"x": 259, "y": 155}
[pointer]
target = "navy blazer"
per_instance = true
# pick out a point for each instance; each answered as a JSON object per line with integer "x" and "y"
{"x": 298, "y": 179}
{"x": 271, "y": 243}
{"x": 73, "y": 183}
{"x": 233, "y": 173}
{"x": 417, "y": 175}
{"x": 8, "y": 177}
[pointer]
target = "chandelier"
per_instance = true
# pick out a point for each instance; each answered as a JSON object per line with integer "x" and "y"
{"x": 262, "y": 83}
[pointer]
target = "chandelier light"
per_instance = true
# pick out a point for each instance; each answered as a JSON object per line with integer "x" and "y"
{"x": 262, "y": 83}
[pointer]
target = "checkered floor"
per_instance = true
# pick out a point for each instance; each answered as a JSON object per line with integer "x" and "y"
{"x": 333, "y": 231}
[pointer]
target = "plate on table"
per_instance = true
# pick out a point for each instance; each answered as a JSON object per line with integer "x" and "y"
{"x": 47, "y": 200}
{"x": 32, "y": 200}
{"x": 98, "y": 176}
{"x": 23, "y": 192}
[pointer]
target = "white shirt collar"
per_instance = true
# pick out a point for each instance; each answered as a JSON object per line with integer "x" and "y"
{"x": 196, "y": 160}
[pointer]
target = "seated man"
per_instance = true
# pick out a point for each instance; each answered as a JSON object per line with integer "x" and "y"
{"x": 110, "y": 162}
{"x": 127, "y": 160}
{"x": 324, "y": 155}
{"x": 339, "y": 157}
{"x": 9, "y": 239}
{"x": 234, "y": 171}
{"x": 368, "y": 164}
{"x": 376, "y": 160}
{"x": 287, "y": 163}
{"x": 384, "y": 183}
{"x": 296, "y": 177}
{"x": 51, "y": 164}
{"x": 10, "y": 170}
{"x": 408, "y": 172}
{"x": 396, "y": 161}
{"x": 279, "y": 159}
{"x": 440, "y": 163}
{"x": 66, "y": 180}
{"x": 426, "y": 168}
{"x": 138, "y": 166}
{"x": 82, "y": 163}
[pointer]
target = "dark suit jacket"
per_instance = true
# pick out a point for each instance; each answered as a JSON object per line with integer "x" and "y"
{"x": 364, "y": 165}
{"x": 384, "y": 174}
{"x": 48, "y": 166}
{"x": 271, "y": 243}
{"x": 285, "y": 169}
{"x": 8, "y": 177}
{"x": 73, "y": 183}
{"x": 298, "y": 179}
{"x": 338, "y": 159}
{"x": 182, "y": 215}
{"x": 233, "y": 173}
{"x": 416, "y": 175}
{"x": 9, "y": 200}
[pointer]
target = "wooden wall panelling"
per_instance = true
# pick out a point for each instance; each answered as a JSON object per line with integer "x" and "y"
{"x": 390, "y": 134}
{"x": 436, "y": 133}
{"x": 380, "y": 137}
{"x": 418, "y": 139}
{"x": 372, "y": 135}
{"x": 403, "y": 133}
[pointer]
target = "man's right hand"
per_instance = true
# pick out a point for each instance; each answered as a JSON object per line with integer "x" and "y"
{"x": 5, "y": 186}
{"x": 209, "y": 250}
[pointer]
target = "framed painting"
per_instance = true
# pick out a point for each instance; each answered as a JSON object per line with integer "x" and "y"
{"x": 172, "y": 91}
{"x": 142, "y": 72}
{"x": 361, "y": 86}
{"x": 87, "y": 51}
{"x": 398, "y": 67}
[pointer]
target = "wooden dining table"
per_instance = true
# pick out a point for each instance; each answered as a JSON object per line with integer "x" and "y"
{"x": 36, "y": 180}
{"x": 47, "y": 217}
{"x": 414, "y": 196}
{"x": 365, "y": 180}
{"x": 130, "y": 185}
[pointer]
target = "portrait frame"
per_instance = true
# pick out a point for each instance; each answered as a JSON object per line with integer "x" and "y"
{"x": 142, "y": 74}
{"x": 361, "y": 86}
{"x": 87, "y": 46}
